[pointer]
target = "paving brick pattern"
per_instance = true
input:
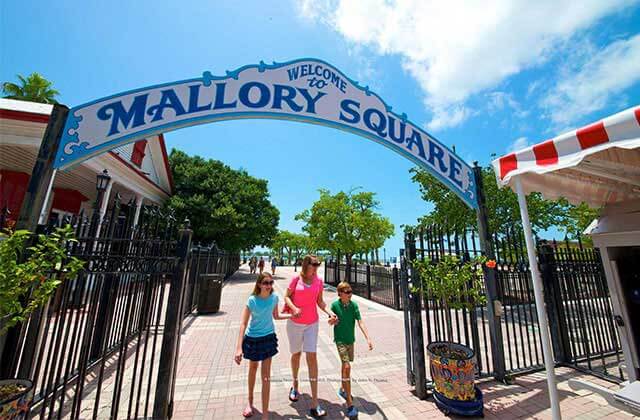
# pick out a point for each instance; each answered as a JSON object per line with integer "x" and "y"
{"x": 210, "y": 385}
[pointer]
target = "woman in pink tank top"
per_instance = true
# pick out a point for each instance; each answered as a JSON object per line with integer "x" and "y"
{"x": 304, "y": 297}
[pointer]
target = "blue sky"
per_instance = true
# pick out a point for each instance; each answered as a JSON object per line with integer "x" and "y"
{"x": 485, "y": 78}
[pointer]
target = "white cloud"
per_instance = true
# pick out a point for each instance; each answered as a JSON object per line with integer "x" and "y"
{"x": 448, "y": 117}
{"x": 458, "y": 48}
{"x": 598, "y": 81}
{"x": 498, "y": 101}
{"x": 518, "y": 144}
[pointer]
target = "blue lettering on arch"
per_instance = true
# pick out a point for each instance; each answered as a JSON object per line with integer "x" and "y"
{"x": 311, "y": 100}
{"x": 392, "y": 130}
{"x": 380, "y": 126}
{"x": 263, "y": 100}
{"x": 194, "y": 95}
{"x": 353, "y": 116}
{"x": 285, "y": 93}
{"x": 116, "y": 112}
{"x": 454, "y": 171}
{"x": 416, "y": 139}
{"x": 169, "y": 99}
{"x": 219, "y": 103}
{"x": 436, "y": 152}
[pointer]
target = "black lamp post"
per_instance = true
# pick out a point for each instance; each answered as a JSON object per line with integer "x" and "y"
{"x": 102, "y": 183}
{"x": 103, "y": 180}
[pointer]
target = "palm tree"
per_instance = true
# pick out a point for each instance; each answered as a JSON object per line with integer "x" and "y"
{"x": 34, "y": 88}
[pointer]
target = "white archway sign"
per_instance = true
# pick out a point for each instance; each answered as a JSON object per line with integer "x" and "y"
{"x": 305, "y": 90}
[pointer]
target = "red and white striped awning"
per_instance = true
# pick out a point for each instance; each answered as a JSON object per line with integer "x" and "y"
{"x": 597, "y": 164}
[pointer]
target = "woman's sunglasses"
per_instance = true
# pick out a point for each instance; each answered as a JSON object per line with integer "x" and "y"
{"x": 267, "y": 283}
{"x": 347, "y": 292}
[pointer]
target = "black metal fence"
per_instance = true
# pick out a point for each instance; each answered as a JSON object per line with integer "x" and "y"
{"x": 578, "y": 304}
{"x": 207, "y": 260}
{"x": 375, "y": 282}
{"x": 107, "y": 343}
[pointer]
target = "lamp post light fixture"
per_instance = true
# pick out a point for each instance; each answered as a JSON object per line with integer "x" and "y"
{"x": 102, "y": 183}
{"x": 103, "y": 180}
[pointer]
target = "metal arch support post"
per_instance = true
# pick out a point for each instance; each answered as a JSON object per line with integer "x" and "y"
{"x": 490, "y": 282}
{"x": 38, "y": 189}
{"x": 539, "y": 295}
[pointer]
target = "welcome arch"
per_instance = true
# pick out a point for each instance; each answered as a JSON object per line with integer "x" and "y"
{"x": 305, "y": 90}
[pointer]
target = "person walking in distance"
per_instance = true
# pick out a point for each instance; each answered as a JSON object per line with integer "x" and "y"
{"x": 274, "y": 265}
{"x": 252, "y": 265}
{"x": 261, "y": 265}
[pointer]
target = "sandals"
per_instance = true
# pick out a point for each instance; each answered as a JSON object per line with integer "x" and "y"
{"x": 248, "y": 412}
{"x": 293, "y": 395}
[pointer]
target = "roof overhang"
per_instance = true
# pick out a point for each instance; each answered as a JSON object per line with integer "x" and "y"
{"x": 598, "y": 164}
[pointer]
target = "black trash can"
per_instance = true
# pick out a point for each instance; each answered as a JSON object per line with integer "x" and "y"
{"x": 209, "y": 293}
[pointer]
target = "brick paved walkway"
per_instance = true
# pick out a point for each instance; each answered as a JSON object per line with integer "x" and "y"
{"x": 211, "y": 386}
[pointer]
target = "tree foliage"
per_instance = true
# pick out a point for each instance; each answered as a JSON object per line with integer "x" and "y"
{"x": 502, "y": 207}
{"x": 33, "y": 88}
{"x": 292, "y": 245}
{"x": 346, "y": 223}
{"x": 224, "y": 205}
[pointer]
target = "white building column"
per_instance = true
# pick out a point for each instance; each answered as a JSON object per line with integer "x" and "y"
{"x": 540, "y": 307}
{"x": 103, "y": 207}
{"x": 136, "y": 216}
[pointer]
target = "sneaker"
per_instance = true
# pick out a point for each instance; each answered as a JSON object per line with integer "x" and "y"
{"x": 352, "y": 412}
{"x": 293, "y": 395}
{"x": 317, "y": 412}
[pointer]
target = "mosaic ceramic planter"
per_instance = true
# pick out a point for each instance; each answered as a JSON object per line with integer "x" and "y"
{"x": 16, "y": 407}
{"x": 453, "y": 375}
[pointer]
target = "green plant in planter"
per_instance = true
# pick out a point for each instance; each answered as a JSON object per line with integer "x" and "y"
{"x": 455, "y": 284}
{"x": 29, "y": 275}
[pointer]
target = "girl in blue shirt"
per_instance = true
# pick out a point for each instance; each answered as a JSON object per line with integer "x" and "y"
{"x": 258, "y": 342}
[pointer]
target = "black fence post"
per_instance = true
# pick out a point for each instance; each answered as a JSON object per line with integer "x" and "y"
{"x": 108, "y": 291}
{"x": 326, "y": 270}
{"x": 491, "y": 286}
{"x": 368, "y": 282}
{"x": 415, "y": 316}
{"x": 553, "y": 303}
{"x": 396, "y": 289}
{"x": 163, "y": 402}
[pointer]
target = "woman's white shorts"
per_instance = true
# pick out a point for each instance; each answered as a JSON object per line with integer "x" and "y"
{"x": 302, "y": 337}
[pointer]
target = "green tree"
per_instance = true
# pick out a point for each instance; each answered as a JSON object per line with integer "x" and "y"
{"x": 224, "y": 205}
{"x": 34, "y": 88}
{"x": 502, "y": 207}
{"x": 346, "y": 223}
{"x": 294, "y": 245}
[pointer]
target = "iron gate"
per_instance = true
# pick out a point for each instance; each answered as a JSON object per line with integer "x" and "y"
{"x": 577, "y": 303}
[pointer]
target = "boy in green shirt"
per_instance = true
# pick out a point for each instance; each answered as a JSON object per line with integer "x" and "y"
{"x": 347, "y": 313}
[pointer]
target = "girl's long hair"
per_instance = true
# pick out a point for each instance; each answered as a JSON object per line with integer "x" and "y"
{"x": 256, "y": 287}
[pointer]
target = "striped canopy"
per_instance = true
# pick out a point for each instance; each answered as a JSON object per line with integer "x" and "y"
{"x": 597, "y": 164}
